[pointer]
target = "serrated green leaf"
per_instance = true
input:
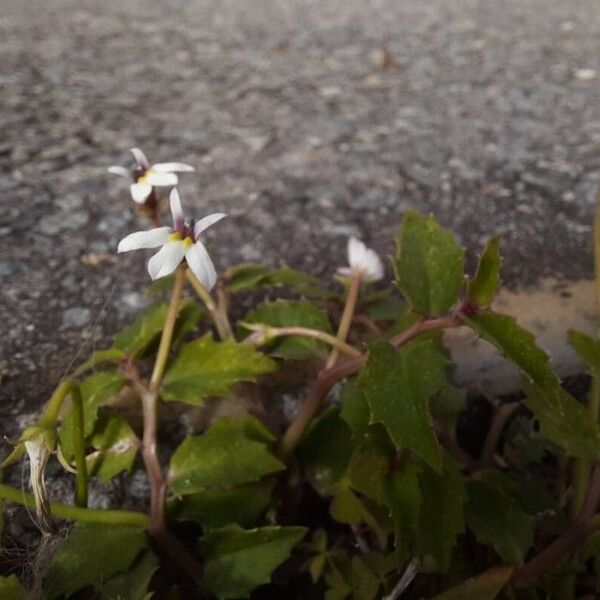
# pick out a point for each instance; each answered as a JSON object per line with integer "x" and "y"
{"x": 245, "y": 276}
{"x": 429, "y": 264}
{"x": 364, "y": 583}
{"x": 398, "y": 385}
{"x": 517, "y": 344}
{"x": 87, "y": 557}
{"x": 386, "y": 308}
{"x": 189, "y": 317}
{"x": 245, "y": 425}
{"x": 441, "y": 517}
{"x": 298, "y": 282}
{"x": 96, "y": 390}
{"x": 325, "y": 450}
{"x": 221, "y": 458}
{"x": 588, "y": 349}
{"x": 367, "y": 470}
{"x": 135, "y": 338}
{"x": 482, "y": 288}
{"x": 241, "y": 505}
{"x": 527, "y": 493}
{"x": 205, "y": 367}
{"x": 238, "y": 560}
{"x": 99, "y": 357}
{"x": 403, "y": 497}
{"x": 132, "y": 585}
{"x": 498, "y": 520}
{"x": 486, "y": 586}
{"x": 287, "y": 313}
{"x": 11, "y": 589}
{"x": 116, "y": 446}
{"x": 564, "y": 421}
{"x": 355, "y": 409}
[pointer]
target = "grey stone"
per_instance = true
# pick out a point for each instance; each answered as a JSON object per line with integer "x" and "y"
{"x": 76, "y": 317}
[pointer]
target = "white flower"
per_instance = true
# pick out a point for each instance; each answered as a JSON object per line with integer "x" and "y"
{"x": 178, "y": 242}
{"x": 363, "y": 262}
{"x": 37, "y": 449}
{"x": 146, "y": 176}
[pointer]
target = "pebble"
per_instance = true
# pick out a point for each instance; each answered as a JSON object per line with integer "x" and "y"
{"x": 76, "y": 317}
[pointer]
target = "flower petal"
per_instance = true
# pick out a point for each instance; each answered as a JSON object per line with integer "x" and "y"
{"x": 364, "y": 260}
{"x": 140, "y": 192}
{"x": 207, "y": 222}
{"x": 140, "y": 158}
{"x": 172, "y": 167}
{"x": 176, "y": 210}
{"x": 201, "y": 265}
{"x": 166, "y": 260}
{"x": 161, "y": 179}
{"x": 121, "y": 171}
{"x": 144, "y": 239}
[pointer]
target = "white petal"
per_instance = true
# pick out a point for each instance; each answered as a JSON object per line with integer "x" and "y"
{"x": 201, "y": 265}
{"x": 140, "y": 158}
{"x": 207, "y": 222}
{"x": 161, "y": 179}
{"x": 121, "y": 171}
{"x": 144, "y": 239}
{"x": 364, "y": 260}
{"x": 172, "y": 167}
{"x": 345, "y": 271}
{"x": 165, "y": 261}
{"x": 176, "y": 210}
{"x": 140, "y": 192}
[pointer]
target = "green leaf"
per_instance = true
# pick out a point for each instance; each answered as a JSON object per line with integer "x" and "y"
{"x": 367, "y": 470}
{"x": 132, "y": 585}
{"x": 242, "y": 505}
{"x": 298, "y": 282}
{"x": 516, "y": 344}
{"x": 286, "y": 313}
{"x": 238, "y": 560}
{"x": 11, "y": 589}
{"x": 189, "y": 317}
{"x": 205, "y": 367}
{"x": 364, "y": 583}
{"x": 486, "y": 586}
{"x": 116, "y": 446}
{"x": 133, "y": 340}
{"x": 87, "y": 557}
{"x": 96, "y": 390}
{"x": 527, "y": 493}
{"x": 441, "y": 518}
{"x": 482, "y": 288}
{"x": 498, "y": 520}
{"x": 429, "y": 264}
{"x": 355, "y": 409}
{"x": 325, "y": 450}
{"x": 398, "y": 385}
{"x": 221, "y": 458}
{"x": 403, "y": 496}
{"x": 587, "y": 348}
{"x": 98, "y": 357}
{"x": 245, "y": 276}
{"x": 564, "y": 421}
{"x": 386, "y": 308}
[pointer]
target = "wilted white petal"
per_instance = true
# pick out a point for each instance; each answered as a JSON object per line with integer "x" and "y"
{"x": 161, "y": 179}
{"x": 140, "y": 192}
{"x": 207, "y": 222}
{"x": 172, "y": 167}
{"x": 165, "y": 261}
{"x": 364, "y": 260}
{"x": 140, "y": 158}
{"x": 38, "y": 459}
{"x": 121, "y": 171}
{"x": 201, "y": 265}
{"x": 144, "y": 239}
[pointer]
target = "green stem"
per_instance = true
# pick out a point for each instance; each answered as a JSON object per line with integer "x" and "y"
{"x": 265, "y": 334}
{"x": 218, "y": 314}
{"x": 346, "y": 320}
{"x": 75, "y": 513}
{"x": 48, "y": 420}
{"x": 149, "y": 397}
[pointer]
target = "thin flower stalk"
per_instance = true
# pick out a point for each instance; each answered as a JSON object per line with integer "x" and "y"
{"x": 218, "y": 313}
{"x": 263, "y": 334}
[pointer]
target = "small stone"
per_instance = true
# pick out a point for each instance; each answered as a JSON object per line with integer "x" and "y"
{"x": 76, "y": 317}
{"x": 585, "y": 74}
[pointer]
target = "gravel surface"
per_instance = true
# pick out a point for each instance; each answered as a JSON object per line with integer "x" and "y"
{"x": 307, "y": 121}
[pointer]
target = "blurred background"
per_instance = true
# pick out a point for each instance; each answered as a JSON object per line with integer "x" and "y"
{"x": 306, "y": 121}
